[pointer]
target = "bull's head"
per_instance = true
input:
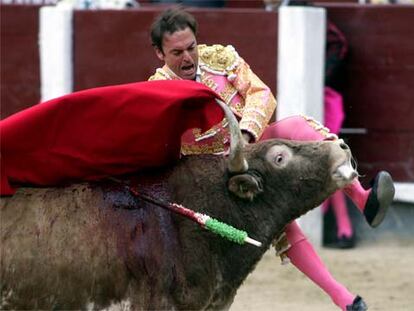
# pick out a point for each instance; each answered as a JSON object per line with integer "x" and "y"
{"x": 246, "y": 184}
{"x": 295, "y": 167}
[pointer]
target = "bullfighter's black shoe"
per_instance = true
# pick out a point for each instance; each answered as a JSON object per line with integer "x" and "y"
{"x": 379, "y": 199}
{"x": 342, "y": 242}
{"x": 330, "y": 229}
{"x": 357, "y": 305}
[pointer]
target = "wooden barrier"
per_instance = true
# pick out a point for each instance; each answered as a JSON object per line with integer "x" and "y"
{"x": 19, "y": 58}
{"x": 379, "y": 86}
{"x": 114, "y": 47}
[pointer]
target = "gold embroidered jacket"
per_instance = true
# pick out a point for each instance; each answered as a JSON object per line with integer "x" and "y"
{"x": 224, "y": 71}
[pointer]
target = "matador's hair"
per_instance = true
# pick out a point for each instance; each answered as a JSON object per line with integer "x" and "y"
{"x": 170, "y": 21}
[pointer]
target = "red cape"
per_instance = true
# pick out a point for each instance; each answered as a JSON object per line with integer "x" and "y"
{"x": 102, "y": 132}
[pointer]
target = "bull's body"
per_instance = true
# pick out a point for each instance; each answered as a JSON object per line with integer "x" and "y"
{"x": 63, "y": 248}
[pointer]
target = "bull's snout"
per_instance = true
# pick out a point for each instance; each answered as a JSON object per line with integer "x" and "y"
{"x": 343, "y": 170}
{"x": 347, "y": 171}
{"x": 343, "y": 145}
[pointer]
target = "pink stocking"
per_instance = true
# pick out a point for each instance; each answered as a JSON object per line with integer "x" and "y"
{"x": 344, "y": 227}
{"x": 293, "y": 128}
{"x": 304, "y": 257}
{"x": 357, "y": 194}
{"x": 325, "y": 205}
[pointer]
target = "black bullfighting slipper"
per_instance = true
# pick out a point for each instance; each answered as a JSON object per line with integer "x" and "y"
{"x": 380, "y": 198}
{"x": 342, "y": 242}
{"x": 357, "y": 305}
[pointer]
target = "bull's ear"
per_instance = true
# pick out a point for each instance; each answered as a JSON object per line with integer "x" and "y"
{"x": 245, "y": 186}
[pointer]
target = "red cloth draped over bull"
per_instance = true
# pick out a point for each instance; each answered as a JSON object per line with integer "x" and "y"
{"x": 102, "y": 132}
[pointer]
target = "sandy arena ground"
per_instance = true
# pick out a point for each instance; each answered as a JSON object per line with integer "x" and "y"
{"x": 380, "y": 271}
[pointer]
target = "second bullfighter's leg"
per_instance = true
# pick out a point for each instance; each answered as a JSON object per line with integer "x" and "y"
{"x": 344, "y": 234}
{"x": 374, "y": 202}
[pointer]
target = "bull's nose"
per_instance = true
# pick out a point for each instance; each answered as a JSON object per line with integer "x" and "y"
{"x": 342, "y": 144}
{"x": 347, "y": 171}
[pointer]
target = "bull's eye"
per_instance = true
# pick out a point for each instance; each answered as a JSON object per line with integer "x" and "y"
{"x": 279, "y": 156}
{"x": 279, "y": 159}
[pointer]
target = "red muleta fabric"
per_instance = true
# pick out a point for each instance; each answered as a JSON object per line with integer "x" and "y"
{"x": 101, "y": 132}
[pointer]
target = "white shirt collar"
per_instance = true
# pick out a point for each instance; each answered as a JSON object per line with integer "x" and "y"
{"x": 172, "y": 73}
{"x": 198, "y": 74}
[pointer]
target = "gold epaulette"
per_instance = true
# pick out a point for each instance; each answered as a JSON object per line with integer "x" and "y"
{"x": 218, "y": 59}
{"x": 160, "y": 74}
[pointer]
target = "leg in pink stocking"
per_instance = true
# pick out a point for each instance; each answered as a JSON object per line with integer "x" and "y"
{"x": 304, "y": 257}
{"x": 341, "y": 215}
{"x": 344, "y": 236}
{"x": 374, "y": 202}
{"x": 293, "y": 128}
{"x": 325, "y": 205}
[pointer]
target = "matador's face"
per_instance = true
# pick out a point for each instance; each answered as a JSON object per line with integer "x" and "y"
{"x": 180, "y": 53}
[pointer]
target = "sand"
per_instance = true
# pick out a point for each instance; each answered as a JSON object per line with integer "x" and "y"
{"x": 382, "y": 272}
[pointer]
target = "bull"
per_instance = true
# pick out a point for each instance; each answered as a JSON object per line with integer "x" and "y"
{"x": 95, "y": 243}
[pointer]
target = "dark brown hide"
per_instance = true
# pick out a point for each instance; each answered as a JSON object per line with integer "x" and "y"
{"x": 63, "y": 248}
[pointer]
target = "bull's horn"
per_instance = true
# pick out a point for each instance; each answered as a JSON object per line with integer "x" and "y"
{"x": 237, "y": 163}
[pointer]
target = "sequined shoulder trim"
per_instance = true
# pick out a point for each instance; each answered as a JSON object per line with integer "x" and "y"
{"x": 218, "y": 59}
{"x": 160, "y": 74}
